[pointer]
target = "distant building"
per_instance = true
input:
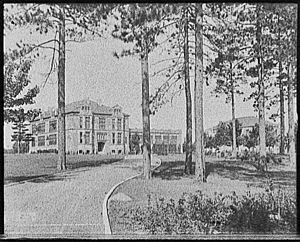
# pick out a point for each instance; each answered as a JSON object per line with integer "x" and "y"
{"x": 247, "y": 125}
{"x": 90, "y": 129}
{"x": 163, "y": 141}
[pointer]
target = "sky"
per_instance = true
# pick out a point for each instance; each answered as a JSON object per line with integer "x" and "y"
{"x": 92, "y": 72}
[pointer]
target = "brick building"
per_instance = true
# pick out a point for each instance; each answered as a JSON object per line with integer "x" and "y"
{"x": 163, "y": 141}
{"x": 90, "y": 129}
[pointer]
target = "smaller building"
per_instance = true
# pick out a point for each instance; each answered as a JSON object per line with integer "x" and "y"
{"x": 163, "y": 141}
{"x": 247, "y": 125}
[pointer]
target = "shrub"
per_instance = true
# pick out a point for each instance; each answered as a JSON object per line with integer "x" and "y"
{"x": 270, "y": 212}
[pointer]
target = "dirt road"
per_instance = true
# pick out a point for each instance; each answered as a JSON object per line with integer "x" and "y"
{"x": 70, "y": 203}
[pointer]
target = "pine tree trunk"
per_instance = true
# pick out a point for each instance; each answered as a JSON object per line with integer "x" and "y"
{"x": 19, "y": 147}
{"x": 291, "y": 133}
{"x": 19, "y": 140}
{"x": 198, "y": 102}
{"x": 61, "y": 165}
{"x": 124, "y": 138}
{"x": 146, "y": 112}
{"x": 281, "y": 98}
{"x": 93, "y": 134}
{"x": 261, "y": 94}
{"x": 189, "y": 144}
{"x": 234, "y": 151}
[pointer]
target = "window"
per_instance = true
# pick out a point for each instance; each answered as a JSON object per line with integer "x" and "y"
{"x": 101, "y": 136}
{"x": 41, "y": 127}
{"x": 41, "y": 140}
{"x": 80, "y": 122}
{"x": 113, "y": 138}
{"x": 166, "y": 138}
{"x": 52, "y": 126}
{"x": 52, "y": 139}
{"x": 119, "y": 124}
{"x": 117, "y": 111}
{"x": 102, "y": 123}
{"x": 87, "y": 138}
{"x": 119, "y": 138}
{"x": 80, "y": 137}
{"x": 173, "y": 139}
{"x": 113, "y": 123}
{"x": 125, "y": 140}
{"x": 33, "y": 142}
{"x": 34, "y": 129}
{"x": 157, "y": 138}
{"x": 87, "y": 122}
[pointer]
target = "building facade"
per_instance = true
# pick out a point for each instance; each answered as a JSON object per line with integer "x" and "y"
{"x": 247, "y": 125}
{"x": 90, "y": 129}
{"x": 163, "y": 141}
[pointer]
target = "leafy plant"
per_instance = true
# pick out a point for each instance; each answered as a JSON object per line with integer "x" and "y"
{"x": 268, "y": 212}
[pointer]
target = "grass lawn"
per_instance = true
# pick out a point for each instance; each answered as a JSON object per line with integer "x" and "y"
{"x": 22, "y": 167}
{"x": 223, "y": 176}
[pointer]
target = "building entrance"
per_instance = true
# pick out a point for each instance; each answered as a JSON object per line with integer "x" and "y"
{"x": 100, "y": 146}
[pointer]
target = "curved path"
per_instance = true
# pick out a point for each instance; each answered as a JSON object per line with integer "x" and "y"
{"x": 68, "y": 205}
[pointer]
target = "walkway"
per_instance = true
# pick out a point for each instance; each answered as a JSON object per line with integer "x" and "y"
{"x": 69, "y": 203}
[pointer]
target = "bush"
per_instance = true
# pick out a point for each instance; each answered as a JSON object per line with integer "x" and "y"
{"x": 270, "y": 212}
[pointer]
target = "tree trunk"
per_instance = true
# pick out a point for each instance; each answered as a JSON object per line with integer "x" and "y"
{"x": 19, "y": 147}
{"x": 61, "y": 165}
{"x": 189, "y": 144}
{"x": 198, "y": 102}
{"x": 281, "y": 97}
{"x": 19, "y": 140}
{"x": 291, "y": 134}
{"x": 146, "y": 112}
{"x": 124, "y": 138}
{"x": 233, "y": 115}
{"x": 93, "y": 135}
{"x": 261, "y": 94}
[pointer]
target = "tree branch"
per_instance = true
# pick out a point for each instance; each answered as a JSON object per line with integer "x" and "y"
{"x": 52, "y": 62}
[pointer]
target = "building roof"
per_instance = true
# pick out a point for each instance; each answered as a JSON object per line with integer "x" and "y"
{"x": 75, "y": 107}
{"x": 248, "y": 121}
{"x": 95, "y": 107}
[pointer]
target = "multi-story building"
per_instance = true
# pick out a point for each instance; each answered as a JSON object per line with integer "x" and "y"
{"x": 90, "y": 129}
{"x": 163, "y": 141}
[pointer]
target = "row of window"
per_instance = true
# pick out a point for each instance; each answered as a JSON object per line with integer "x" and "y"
{"x": 41, "y": 140}
{"x": 159, "y": 138}
{"x": 40, "y": 128}
{"x": 102, "y": 123}
{"x": 84, "y": 137}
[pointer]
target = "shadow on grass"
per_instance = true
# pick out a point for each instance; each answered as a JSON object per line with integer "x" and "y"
{"x": 58, "y": 176}
{"x": 91, "y": 163}
{"x": 235, "y": 170}
{"x": 170, "y": 170}
{"x": 34, "y": 179}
